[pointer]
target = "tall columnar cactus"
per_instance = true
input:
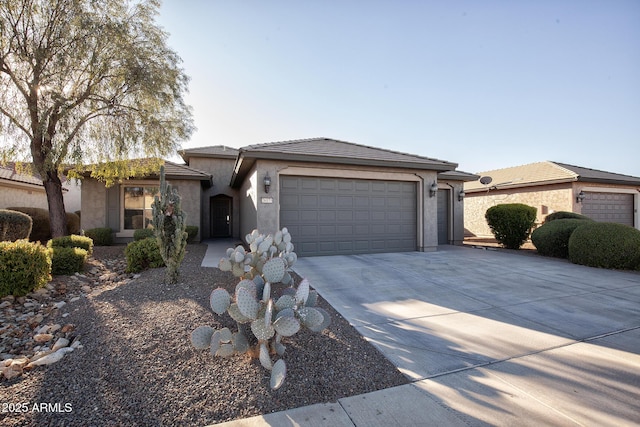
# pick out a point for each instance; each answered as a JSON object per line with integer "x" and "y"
{"x": 169, "y": 223}
{"x": 269, "y": 319}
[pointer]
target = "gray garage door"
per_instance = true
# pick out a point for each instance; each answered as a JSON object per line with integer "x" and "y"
{"x": 330, "y": 216}
{"x": 609, "y": 207}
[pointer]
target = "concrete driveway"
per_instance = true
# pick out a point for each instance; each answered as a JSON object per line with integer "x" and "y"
{"x": 491, "y": 337}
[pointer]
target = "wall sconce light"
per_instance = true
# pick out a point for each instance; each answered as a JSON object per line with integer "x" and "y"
{"x": 580, "y": 197}
{"x": 461, "y": 195}
{"x": 433, "y": 190}
{"x": 267, "y": 182}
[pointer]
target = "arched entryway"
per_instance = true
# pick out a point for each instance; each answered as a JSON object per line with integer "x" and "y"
{"x": 220, "y": 214}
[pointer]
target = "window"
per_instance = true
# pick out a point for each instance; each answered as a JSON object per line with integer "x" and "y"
{"x": 137, "y": 206}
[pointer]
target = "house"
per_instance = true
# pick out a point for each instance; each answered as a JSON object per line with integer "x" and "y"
{"x": 335, "y": 197}
{"x": 21, "y": 189}
{"x": 551, "y": 187}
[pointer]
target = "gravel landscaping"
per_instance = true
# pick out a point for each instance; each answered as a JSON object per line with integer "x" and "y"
{"x": 136, "y": 365}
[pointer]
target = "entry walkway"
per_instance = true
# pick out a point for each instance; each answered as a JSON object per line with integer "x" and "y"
{"x": 487, "y": 338}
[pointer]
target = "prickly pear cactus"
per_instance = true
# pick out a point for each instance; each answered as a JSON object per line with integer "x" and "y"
{"x": 256, "y": 311}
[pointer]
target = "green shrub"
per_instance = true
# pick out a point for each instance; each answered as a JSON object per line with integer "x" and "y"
{"x": 143, "y": 233}
{"x": 552, "y": 238}
{"x": 73, "y": 223}
{"x": 143, "y": 254}
{"x": 101, "y": 236}
{"x": 192, "y": 232}
{"x": 73, "y": 241}
{"x": 14, "y": 225}
{"x": 565, "y": 215}
{"x": 79, "y": 213}
{"x": 605, "y": 245}
{"x": 67, "y": 260}
{"x": 41, "y": 227}
{"x": 24, "y": 267}
{"x": 511, "y": 223}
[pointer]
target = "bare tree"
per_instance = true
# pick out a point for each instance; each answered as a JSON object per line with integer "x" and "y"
{"x": 87, "y": 81}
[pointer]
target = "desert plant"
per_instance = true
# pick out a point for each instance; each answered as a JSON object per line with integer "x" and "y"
{"x": 143, "y": 233}
{"x": 268, "y": 319}
{"x": 24, "y": 267}
{"x": 73, "y": 241}
{"x": 565, "y": 215}
{"x": 14, "y": 225}
{"x": 552, "y": 238}
{"x": 192, "y": 232}
{"x": 67, "y": 260}
{"x": 169, "y": 222}
{"x": 101, "y": 236}
{"x": 605, "y": 245}
{"x": 511, "y": 223}
{"x": 143, "y": 254}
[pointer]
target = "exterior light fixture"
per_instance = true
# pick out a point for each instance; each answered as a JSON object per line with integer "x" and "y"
{"x": 580, "y": 197}
{"x": 433, "y": 190}
{"x": 461, "y": 195}
{"x": 267, "y": 182}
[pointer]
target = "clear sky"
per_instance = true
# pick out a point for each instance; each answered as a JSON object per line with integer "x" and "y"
{"x": 485, "y": 84}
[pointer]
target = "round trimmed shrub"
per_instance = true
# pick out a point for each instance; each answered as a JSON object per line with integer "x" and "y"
{"x": 552, "y": 238}
{"x": 143, "y": 233}
{"x": 565, "y": 215}
{"x": 511, "y": 223}
{"x": 73, "y": 241}
{"x": 605, "y": 245}
{"x": 192, "y": 232}
{"x": 66, "y": 260}
{"x": 41, "y": 229}
{"x": 24, "y": 267}
{"x": 143, "y": 254}
{"x": 73, "y": 223}
{"x": 101, "y": 236}
{"x": 14, "y": 225}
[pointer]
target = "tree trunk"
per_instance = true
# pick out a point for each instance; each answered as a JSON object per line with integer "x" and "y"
{"x": 57, "y": 215}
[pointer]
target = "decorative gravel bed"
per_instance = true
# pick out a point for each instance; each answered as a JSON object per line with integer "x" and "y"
{"x": 137, "y": 365}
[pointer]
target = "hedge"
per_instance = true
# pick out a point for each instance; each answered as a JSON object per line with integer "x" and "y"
{"x": 14, "y": 225}
{"x": 143, "y": 254}
{"x": 565, "y": 215}
{"x": 73, "y": 241}
{"x": 143, "y": 233}
{"x": 41, "y": 227}
{"x": 552, "y": 238}
{"x": 24, "y": 267}
{"x": 192, "y": 232}
{"x": 101, "y": 236}
{"x": 67, "y": 260}
{"x": 511, "y": 223}
{"x": 605, "y": 245}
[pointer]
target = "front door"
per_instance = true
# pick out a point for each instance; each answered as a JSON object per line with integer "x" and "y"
{"x": 221, "y": 216}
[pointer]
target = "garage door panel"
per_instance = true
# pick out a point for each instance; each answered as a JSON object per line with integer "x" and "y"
{"x": 351, "y": 215}
{"x": 609, "y": 207}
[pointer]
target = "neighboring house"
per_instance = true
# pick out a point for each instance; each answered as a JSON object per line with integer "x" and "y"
{"x": 21, "y": 190}
{"x": 335, "y": 197}
{"x": 551, "y": 187}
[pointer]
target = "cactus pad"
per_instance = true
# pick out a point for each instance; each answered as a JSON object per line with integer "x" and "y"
{"x": 286, "y": 326}
{"x": 238, "y": 270}
{"x": 273, "y": 270}
{"x": 265, "y": 359}
{"x": 225, "y": 350}
{"x": 235, "y": 314}
{"x": 312, "y": 301}
{"x": 302, "y": 294}
{"x": 286, "y": 279}
{"x": 225, "y": 264}
{"x": 220, "y": 300}
{"x": 280, "y": 348}
{"x": 265, "y": 244}
{"x": 285, "y": 301}
{"x": 261, "y": 331}
{"x": 240, "y": 342}
{"x": 201, "y": 337}
{"x": 225, "y": 335}
{"x": 278, "y": 374}
{"x": 247, "y": 303}
{"x": 249, "y": 285}
{"x": 266, "y": 292}
{"x": 326, "y": 321}
{"x": 286, "y": 312}
{"x": 311, "y": 317}
{"x": 268, "y": 313}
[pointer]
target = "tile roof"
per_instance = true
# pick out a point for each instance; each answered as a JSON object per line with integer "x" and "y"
{"x": 336, "y": 151}
{"x": 214, "y": 151}
{"x": 11, "y": 175}
{"x": 546, "y": 172}
{"x": 178, "y": 171}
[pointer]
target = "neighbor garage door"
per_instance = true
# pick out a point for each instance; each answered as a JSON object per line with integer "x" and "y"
{"x": 329, "y": 216}
{"x": 609, "y": 207}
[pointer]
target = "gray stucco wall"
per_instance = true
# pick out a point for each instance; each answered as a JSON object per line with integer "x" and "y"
{"x": 93, "y": 204}
{"x": 456, "y": 226}
{"x": 249, "y": 205}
